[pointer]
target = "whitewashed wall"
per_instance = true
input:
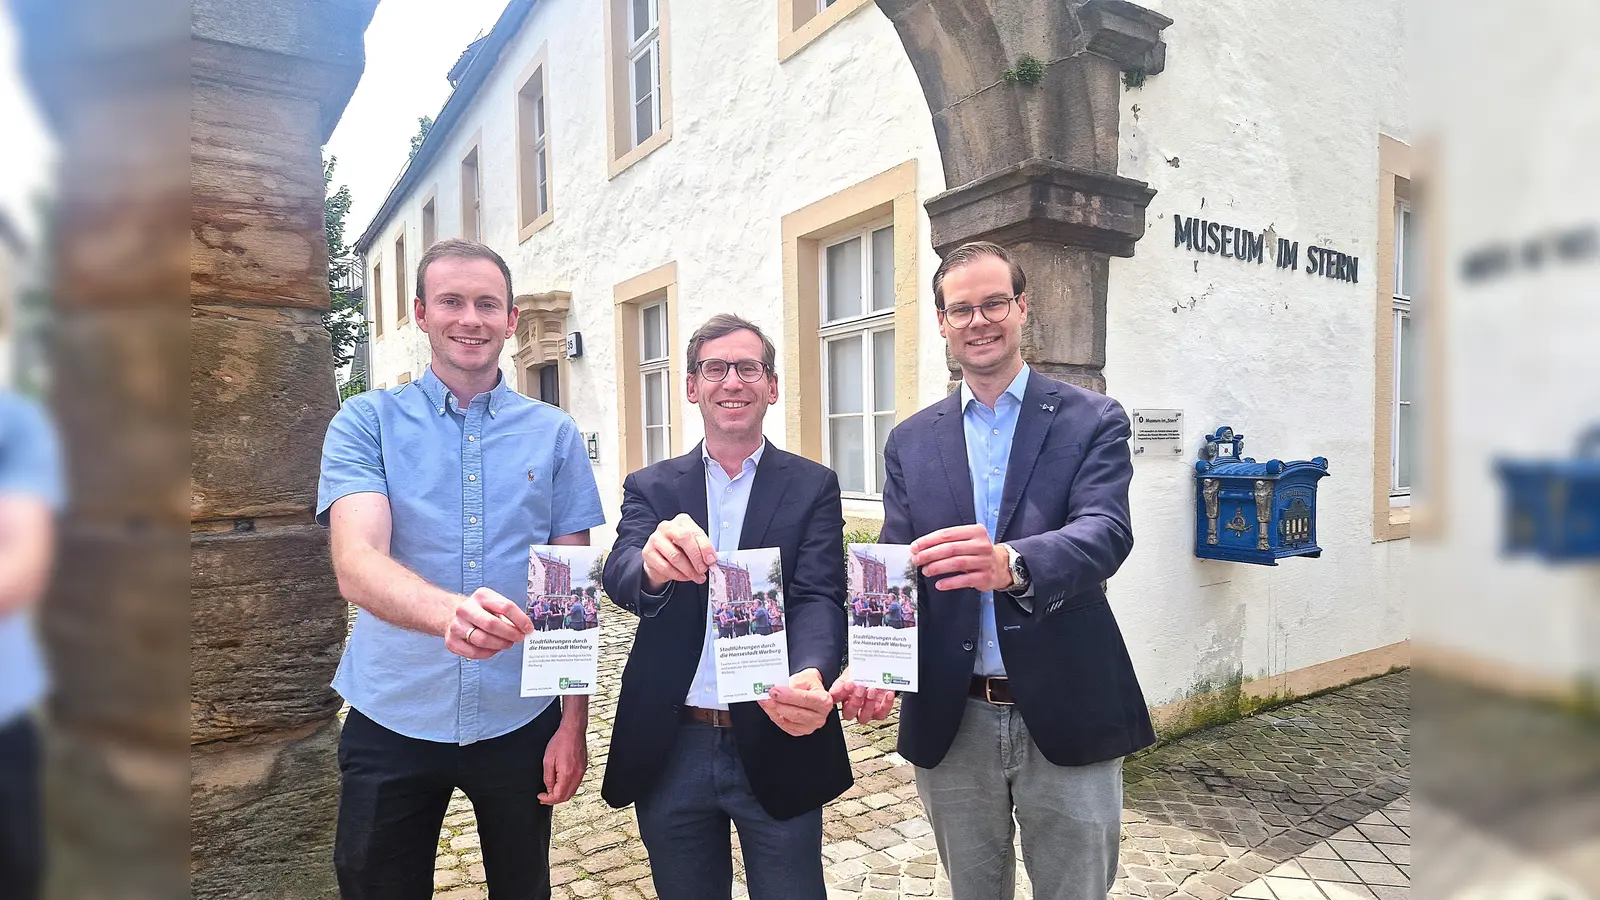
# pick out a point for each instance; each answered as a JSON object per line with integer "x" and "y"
{"x": 1271, "y": 116}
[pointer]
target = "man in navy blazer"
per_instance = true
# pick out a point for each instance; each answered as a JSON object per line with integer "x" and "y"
{"x": 1016, "y": 511}
{"x": 688, "y": 763}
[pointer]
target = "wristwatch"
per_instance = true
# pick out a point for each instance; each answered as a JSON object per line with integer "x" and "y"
{"x": 1019, "y": 571}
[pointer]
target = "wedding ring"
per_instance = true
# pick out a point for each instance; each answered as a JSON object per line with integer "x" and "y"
{"x": 468, "y": 638}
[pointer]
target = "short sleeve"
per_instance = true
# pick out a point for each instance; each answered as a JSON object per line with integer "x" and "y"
{"x": 352, "y": 457}
{"x": 575, "y": 500}
{"x": 30, "y": 454}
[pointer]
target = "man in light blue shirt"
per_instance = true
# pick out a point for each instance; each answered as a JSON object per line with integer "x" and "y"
{"x": 31, "y": 493}
{"x": 433, "y": 493}
{"x": 990, "y": 431}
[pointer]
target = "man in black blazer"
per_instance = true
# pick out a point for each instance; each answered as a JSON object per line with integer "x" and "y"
{"x": 1016, "y": 510}
{"x": 689, "y": 764}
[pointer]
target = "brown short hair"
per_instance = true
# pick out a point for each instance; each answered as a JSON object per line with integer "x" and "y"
{"x": 968, "y": 252}
{"x": 724, "y": 324}
{"x": 459, "y": 248}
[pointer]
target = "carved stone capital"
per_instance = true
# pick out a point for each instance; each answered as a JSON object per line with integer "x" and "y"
{"x": 1126, "y": 33}
{"x": 542, "y": 327}
{"x": 1046, "y": 201}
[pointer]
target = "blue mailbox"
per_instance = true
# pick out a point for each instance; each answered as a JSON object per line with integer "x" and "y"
{"x": 1253, "y": 512}
{"x": 1552, "y": 507}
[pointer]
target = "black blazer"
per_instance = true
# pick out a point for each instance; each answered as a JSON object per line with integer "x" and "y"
{"x": 794, "y": 506}
{"x": 1065, "y": 509}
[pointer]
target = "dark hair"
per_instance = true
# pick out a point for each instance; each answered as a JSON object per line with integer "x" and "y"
{"x": 459, "y": 248}
{"x": 968, "y": 252}
{"x": 724, "y": 324}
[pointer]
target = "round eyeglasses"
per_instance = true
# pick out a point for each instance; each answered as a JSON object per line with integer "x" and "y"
{"x": 750, "y": 370}
{"x": 994, "y": 309}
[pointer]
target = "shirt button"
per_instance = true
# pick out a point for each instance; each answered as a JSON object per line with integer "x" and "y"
{"x": 472, "y": 520}
{"x": 472, "y": 564}
{"x": 472, "y": 437}
{"x": 472, "y": 478}
{"x": 991, "y": 643}
{"x": 997, "y": 431}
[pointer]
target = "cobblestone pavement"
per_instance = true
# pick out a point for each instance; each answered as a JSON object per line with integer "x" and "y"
{"x": 1204, "y": 817}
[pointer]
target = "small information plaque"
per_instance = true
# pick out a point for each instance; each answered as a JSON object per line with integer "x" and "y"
{"x": 1158, "y": 433}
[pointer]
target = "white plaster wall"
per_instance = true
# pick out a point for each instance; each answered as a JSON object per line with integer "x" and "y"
{"x": 1267, "y": 115}
{"x": 1272, "y": 124}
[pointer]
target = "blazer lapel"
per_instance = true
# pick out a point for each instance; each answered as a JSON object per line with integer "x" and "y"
{"x": 692, "y": 487}
{"x": 1039, "y": 403}
{"x": 766, "y": 495}
{"x": 951, "y": 437}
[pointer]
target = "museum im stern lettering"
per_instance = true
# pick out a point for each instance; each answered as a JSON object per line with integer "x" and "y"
{"x": 1234, "y": 242}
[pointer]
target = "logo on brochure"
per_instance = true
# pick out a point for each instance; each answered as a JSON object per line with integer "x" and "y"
{"x": 891, "y": 678}
{"x": 760, "y": 688}
{"x": 566, "y": 683}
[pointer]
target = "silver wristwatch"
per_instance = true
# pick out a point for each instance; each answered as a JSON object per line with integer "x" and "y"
{"x": 1019, "y": 571}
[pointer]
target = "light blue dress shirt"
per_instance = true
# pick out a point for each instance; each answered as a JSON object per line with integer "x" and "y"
{"x": 726, "y": 502}
{"x": 30, "y": 466}
{"x": 989, "y": 436}
{"x": 469, "y": 491}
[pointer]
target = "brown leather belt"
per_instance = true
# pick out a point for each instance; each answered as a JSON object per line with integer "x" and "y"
{"x": 993, "y": 689}
{"x": 717, "y": 718}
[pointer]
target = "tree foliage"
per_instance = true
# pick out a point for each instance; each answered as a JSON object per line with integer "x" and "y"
{"x": 345, "y": 320}
{"x": 424, "y": 125}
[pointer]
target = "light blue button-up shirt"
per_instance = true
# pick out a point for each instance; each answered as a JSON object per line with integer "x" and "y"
{"x": 469, "y": 491}
{"x": 989, "y": 436}
{"x": 30, "y": 466}
{"x": 726, "y": 502}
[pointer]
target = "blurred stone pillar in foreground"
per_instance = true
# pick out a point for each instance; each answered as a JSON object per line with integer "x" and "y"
{"x": 193, "y": 382}
{"x": 1025, "y": 98}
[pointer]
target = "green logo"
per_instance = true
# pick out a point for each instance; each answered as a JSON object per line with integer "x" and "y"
{"x": 760, "y": 688}
{"x": 891, "y": 678}
{"x": 563, "y": 684}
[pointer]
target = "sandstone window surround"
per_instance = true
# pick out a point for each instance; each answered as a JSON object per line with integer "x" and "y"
{"x": 375, "y": 316}
{"x": 541, "y": 348}
{"x": 832, "y": 345}
{"x": 638, "y": 80}
{"x": 430, "y": 219}
{"x": 402, "y": 306}
{"x": 650, "y": 367}
{"x": 472, "y": 190}
{"x": 1396, "y": 441}
{"x": 535, "y": 207}
{"x": 802, "y": 21}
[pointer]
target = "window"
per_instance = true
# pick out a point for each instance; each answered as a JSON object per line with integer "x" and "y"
{"x": 655, "y": 380}
{"x": 550, "y": 383}
{"x": 1403, "y": 441}
{"x": 638, "y": 79}
{"x": 430, "y": 224}
{"x": 857, "y": 333}
{"x": 802, "y": 21}
{"x": 644, "y": 67}
{"x": 471, "y": 197}
{"x": 400, "y": 305}
{"x": 377, "y": 298}
{"x": 533, "y": 153}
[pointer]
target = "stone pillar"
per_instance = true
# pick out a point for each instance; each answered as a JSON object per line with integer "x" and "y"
{"x": 1033, "y": 166}
{"x": 191, "y": 231}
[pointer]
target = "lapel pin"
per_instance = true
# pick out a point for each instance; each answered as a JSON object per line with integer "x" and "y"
{"x": 1047, "y": 407}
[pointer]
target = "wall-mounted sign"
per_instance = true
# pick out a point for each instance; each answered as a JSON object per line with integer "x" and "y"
{"x": 1235, "y": 242}
{"x": 1158, "y": 433}
{"x": 591, "y": 443}
{"x": 575, "y": 345}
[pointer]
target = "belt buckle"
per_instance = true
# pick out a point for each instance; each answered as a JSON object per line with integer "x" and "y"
{"x": 988, "y": 692}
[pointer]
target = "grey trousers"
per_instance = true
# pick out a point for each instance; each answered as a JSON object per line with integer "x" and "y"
{"x": 1070, "y": 816}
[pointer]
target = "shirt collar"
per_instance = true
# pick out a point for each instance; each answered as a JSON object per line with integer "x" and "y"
{"x": 752, "y": 461}
{"x": 439, "y": 395}
{"x": 1017, "y": 388}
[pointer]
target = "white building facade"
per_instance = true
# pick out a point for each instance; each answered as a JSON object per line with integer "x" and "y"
{"x": 642, "y": 167}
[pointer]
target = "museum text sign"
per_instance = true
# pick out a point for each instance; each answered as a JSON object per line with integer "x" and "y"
{"x": 1233, "y": 242}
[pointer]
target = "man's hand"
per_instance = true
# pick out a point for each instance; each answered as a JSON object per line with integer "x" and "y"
{"x": 864, "y": 704}
{"x": 485, "y": 624}
{"x": 964, "y": 554}
{"x": 679, "y": 550}
{"x": 801, "y": 707}
{"x": 566, "y": 758}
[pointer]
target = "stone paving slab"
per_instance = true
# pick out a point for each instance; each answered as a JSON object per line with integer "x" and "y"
{"x": 1203, "y": 817}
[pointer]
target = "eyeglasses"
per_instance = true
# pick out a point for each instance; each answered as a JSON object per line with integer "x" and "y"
{"x": 995, "y": 310}
{"x": 750, "y": 370}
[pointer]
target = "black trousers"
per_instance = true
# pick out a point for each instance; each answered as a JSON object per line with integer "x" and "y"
{"x": 21, "y": 847}
{"x": 392, "y": 800}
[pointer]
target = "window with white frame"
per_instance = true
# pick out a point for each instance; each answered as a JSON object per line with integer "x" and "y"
{"x": 857, "y": 332}
{"x": 657, "y": 382}
{"x": 644, "y": 67}
{"x": 1404, "y": 423}
{"x": 533, "y": 164}
{"x": 471, "y": 198}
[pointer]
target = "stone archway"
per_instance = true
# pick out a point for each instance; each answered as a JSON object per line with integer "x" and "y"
{"x": 1033, "y": 166}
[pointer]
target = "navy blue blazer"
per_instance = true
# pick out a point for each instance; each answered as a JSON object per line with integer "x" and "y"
{"x": 1065, "y": 509}
{"x": 794, "y": 506}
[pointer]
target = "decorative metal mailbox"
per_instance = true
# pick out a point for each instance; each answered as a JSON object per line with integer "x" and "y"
{"x": 1552, "y": 507}
{"x": 1253, "y": 512}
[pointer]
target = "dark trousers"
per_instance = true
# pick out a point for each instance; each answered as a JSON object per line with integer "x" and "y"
{"x": 21, "y": 848}
{"x": 684, "y": 825}
{"x": 394, "y": 792}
